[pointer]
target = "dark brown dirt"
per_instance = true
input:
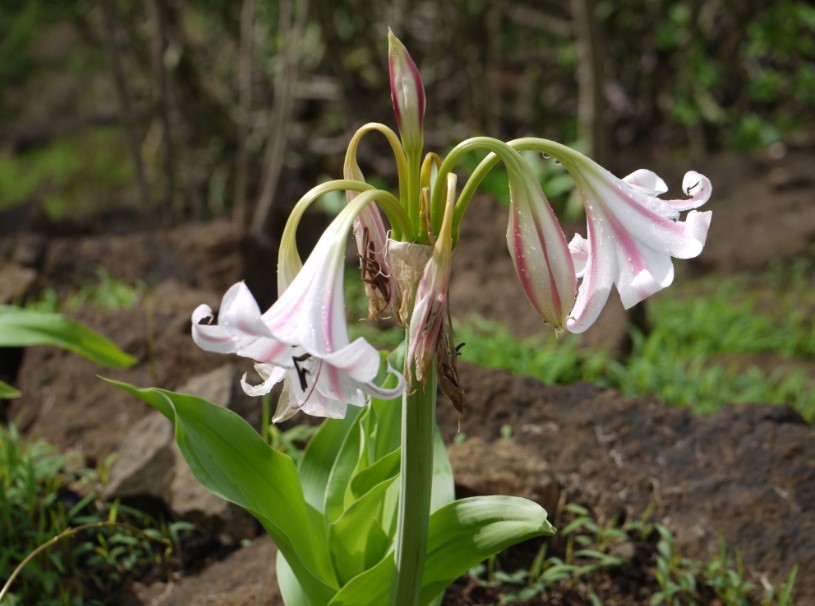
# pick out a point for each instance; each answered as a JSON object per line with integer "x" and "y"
{"x": 746, "y": 473}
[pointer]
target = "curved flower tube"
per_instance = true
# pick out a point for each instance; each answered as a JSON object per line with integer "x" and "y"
{"x": 631, "y": 235}
{"x": 303, "y": 338}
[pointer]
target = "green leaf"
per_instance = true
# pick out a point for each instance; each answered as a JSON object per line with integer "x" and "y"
{"x": 461, "y": 535}
{"x": 466, "y": 532}
{"x": 293, "y": 594}
{"x": 24, "y": 327}
{"x": 7, "y": 391}
{"x": 339, "y": 478}
{"x": 371, "y": 587}
{"x": 385, "y": 426}
{"x": 232, "y": 460}
{"x": 384, "y": 469}
{"x": 357, "y": 538}
{"x": 320, "y": 454}
{"x": 444, "y": 489}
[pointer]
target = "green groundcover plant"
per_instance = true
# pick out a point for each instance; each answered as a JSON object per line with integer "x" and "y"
{"x": 32, "y": 477}
{"x": 63, "y": 544}
{"x": 367, "y": 515}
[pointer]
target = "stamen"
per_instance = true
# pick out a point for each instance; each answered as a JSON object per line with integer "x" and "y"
{"x": 301, "y": 372}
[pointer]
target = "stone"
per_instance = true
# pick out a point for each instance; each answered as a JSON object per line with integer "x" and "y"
{"x": 245, "y": 578}
{"x": 502, "y": 467}
{"x": 144, "y": 464}
{"x": 15, "y": 282}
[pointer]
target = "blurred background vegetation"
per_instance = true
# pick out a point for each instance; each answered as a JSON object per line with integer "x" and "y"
{"x": 193, "y": 108}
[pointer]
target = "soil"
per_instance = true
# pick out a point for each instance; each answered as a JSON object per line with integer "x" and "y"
{"x": 745, "y": 474}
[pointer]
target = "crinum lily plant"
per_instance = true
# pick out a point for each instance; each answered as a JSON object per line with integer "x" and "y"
{"x": 368, "y": 515}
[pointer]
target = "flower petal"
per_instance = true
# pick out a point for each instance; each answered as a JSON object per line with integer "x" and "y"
{"x": 647, "y": 181}
{"x": 271, "y": 375}
{"x": 632, "y": 236}
{"x": 430, "y": 307}
{"x": 598, "y": 277}
{"x": 580, "y": 254}
{"x": 240, "y": 329}
{"x": 698, "y": 187}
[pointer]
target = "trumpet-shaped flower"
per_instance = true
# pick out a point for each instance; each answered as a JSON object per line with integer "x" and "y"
{"x": 539, "y": 250}
{"x": 631, "y": 236}
{"x": 302, "y": 338}
{"x": 407, "y": 94}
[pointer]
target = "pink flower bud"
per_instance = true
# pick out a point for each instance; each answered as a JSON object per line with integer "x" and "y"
{"x": 407, "y": 95}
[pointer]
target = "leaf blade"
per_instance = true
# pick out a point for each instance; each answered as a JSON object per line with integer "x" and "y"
{"x": 25, "y": 327}
{"x": 232, "y": 461}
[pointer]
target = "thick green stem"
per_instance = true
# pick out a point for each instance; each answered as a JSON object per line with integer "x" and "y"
{"x": 418, "y": 414}
{"x": 414, "y": 191}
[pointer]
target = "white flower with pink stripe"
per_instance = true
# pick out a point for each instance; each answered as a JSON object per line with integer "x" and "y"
{"x": 632, "y": 235}
{"x": 302, "y": 339}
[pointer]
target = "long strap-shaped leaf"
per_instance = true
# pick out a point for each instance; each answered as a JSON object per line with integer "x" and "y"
{"x": 23, "y": 327}
{"x": 461, "y": 535}
{"x": 7, "y": 391}
{"x": 232, "y": 460}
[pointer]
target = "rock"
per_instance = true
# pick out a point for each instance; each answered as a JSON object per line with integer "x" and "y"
{"x": 214, "y": 386}
{"x": 144, "y": 465}
{"x": 30, "y": 249}
{"x": 222, "y": 387}
{"x": 15, "y": 282}
{"x": 245, "y": 578}
{"x": 63, "y": 399}
{"x": 502, "y": 467}
{"x": 208, "y": 256}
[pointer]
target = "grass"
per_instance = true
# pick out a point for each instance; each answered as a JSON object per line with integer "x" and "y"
{"x": 720, "y": 342}
{"x": 585, "y": 551}
{"x": 106, "y": 293}
{"x": 44, "y": 493}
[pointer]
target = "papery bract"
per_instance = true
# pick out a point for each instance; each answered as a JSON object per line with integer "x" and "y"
{"x": 430, "y": 308}
{"x": 302, "y": 338}
{"x": 631, "y": 235}
{"x": 539, "y": 250}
